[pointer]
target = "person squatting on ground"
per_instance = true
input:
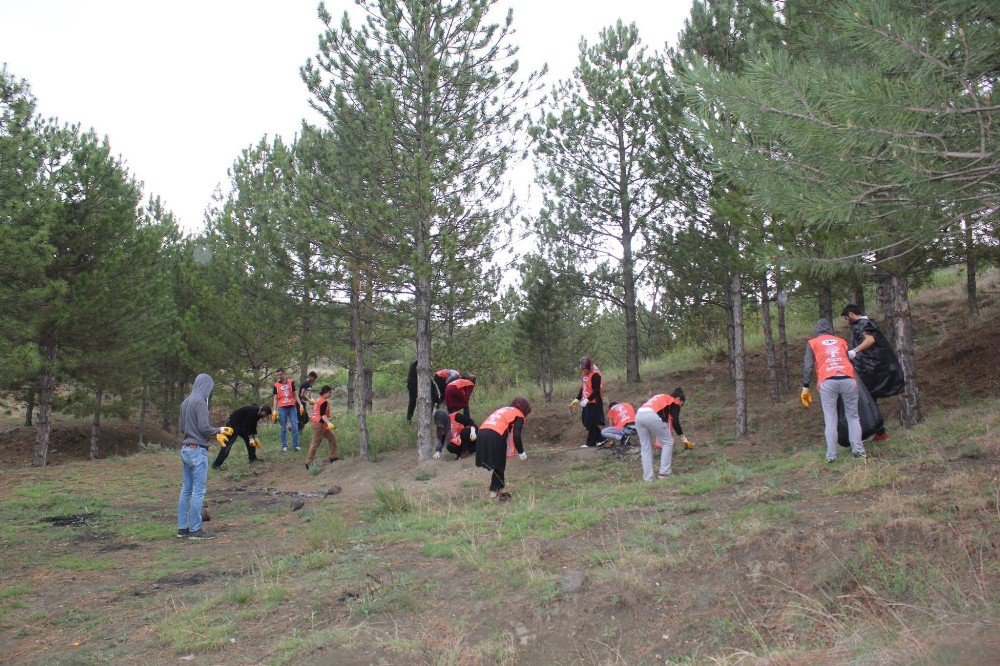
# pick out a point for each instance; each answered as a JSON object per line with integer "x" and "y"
{"x": 835, "y": 378}
{"x": 492, "y": 443}
{"x": 197, "y": 431}
{"x": 458, "y": 393}
{"x": 243, "y": 421}
{"x": 322, "y": 428}
{"x": 286, "y": 409}
{"x": 873, "y": 358}
{"x": 622, "y": 427}
{"x": 652, "y": 423}
{"x": 590, "y": 397}
{"x": 458, "y": 431}
{"x": 306, "y": 399}
{"x": 411, "y": 390}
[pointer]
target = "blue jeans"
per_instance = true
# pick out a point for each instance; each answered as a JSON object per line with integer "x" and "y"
{"x": 194, "y": 463}
{"x": 289, "y": 416}
{"x": 612, "y": 432}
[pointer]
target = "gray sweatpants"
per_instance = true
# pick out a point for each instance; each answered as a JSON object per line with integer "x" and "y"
{"x": 651, "y": 427}
{"x": 846, "y": 388}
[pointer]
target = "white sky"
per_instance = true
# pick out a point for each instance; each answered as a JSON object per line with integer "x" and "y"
{"x": 181, "y": 87}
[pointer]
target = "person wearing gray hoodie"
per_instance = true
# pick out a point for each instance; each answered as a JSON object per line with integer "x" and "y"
{"x": 835, "y": 378}
{"x": 197, "y": 431}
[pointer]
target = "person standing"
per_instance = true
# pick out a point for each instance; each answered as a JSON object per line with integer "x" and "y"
{"x": 622, "y": 427}
{"x": 306, "y": 398}
{"x": 321, "y": 427}
{"x": 502, "y": 425}
{"x": 590, "y": 397}
{"x": 458, "y": 393}
{"x": 652, "y": 423}
{"x": 197, "y": 431}
{"x": 286, "y": 409}
{"x": 835, "y": 377}
{"x": 873, "y": 358}
{"x": 243, "y": 422}
{"x": 411, "y": 390}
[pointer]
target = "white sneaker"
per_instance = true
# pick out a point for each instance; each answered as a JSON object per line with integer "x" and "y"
{"x": 437, "y": 455}
{"x": 472, "y": 434}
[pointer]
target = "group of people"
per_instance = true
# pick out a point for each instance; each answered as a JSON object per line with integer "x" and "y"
{"x": 288, "y": 407}
{"x": 846, "y": 373}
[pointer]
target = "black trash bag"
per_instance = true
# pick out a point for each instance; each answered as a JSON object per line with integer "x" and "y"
{"x": 868, "y": 413}
{"x": 303, "y": 419}
{"x": 879, "y": 367}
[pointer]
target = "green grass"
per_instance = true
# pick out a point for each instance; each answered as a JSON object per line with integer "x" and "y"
{"x": 77, "y": 563}
{"x": 169, "y": 561}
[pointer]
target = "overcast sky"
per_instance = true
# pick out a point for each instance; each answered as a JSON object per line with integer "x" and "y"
{"x": 181, "y": 87}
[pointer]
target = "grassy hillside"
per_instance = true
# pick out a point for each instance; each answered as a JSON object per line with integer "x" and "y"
{"x": 754, "y": 550}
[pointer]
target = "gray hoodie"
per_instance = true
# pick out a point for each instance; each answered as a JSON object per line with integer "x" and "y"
{"x": 195, "y": 425}
{"x": 823, "y": 327}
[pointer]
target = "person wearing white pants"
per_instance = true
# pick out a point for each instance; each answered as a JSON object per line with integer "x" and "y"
{"x": 652, "y": 422}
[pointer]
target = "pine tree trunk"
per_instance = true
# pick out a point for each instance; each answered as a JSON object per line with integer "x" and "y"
{"x": 29, "y": 407}
{"x": 48, "y": 390}
{"x": 730, "y": 332}
{"x": 95, "y": 427}
{"x": 858, "y": 296}
{"x": 352, "y": 377}
{"x": 358, "y": 397}
{"x": 782, "y": 338}
{"x": 166, "y": 401}
{"x": 886, "y": 304}
{"x": 142, "y": 412}
{"x": 970, "y": 270}
{"x": 425, "y": 430}
{"x": 909, "y": 404}
{"x": 739, "y": 358}
{"x": 825, "y": 302}
{"x": 772, "y": 369}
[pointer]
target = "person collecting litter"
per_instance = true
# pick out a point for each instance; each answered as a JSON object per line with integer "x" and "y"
{"x": 622, "y": 428}
{"x": 306, "y": 399}
{"x": 835, "y": 377}
{"x": 243, "y": 422}
{"x": 197, "y": 431}
{"x": 495, "y": 434}
{"x": 286, "y": 408}
{"x": 458, "y": 393}
{"x": 442, "y": 378}
{"x": 652, "y": 423}
{"x": 873, "y": 358}
{"x": 411, "y": 390}
{"x": 589, "y": 396}
{"x": 322, "y": 428}
{"x": 458, "y": 431}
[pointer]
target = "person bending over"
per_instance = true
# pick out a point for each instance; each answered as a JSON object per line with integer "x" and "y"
{"x": 458, "y": 393}
{"x": 622, "y": 427}
{"x": 244, "y": 422}
{"x": 652, "y": 423}
{"x": 496, "y": 436}
{"x": 455, "y": 430}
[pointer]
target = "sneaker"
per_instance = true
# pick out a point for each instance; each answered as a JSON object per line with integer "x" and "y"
{"x": 881, "y": 437}
{"x": 183, "y": 533}
{"x": 307, "y": 467}
{"x": 503, "y": 496}
{"x": 284, "y": 449}
{"x": 861, "y": 455}
{"x": 626, "y": 440}
{"x": 463, "y": 454}
{"x": 585, "y": 446}
{"x": 831, "y": 460}
{"x": 663, "y": 476}
{"x": 201, "y": 535}
{"x": 217, "y": 467}
{"x": 437, "y": 455}
{"x": 333, "y": 459}
{"x": 297, "y": 449}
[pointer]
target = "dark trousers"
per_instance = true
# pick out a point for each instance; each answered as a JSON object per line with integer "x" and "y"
{"x": 593, "y": 421}
{"x": 467, "y": 445}
{"x": 497, "y": 481}
{"x": 224, "y": 453}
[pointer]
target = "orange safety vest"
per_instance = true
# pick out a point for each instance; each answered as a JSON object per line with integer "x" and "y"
{"x": 286, "y": 396}
{"x": 444, "y": 373}
{"x": 460, "y": 384}
{"x": 586, "y": 388}
{"x": 317, "y": 415}
{"x": 621, "y": 415}
{"x": 501, "y": 420}
{"x": 456, "y": 431}
{"x": 831, "y": 357}
{"x": 659, "y": 402}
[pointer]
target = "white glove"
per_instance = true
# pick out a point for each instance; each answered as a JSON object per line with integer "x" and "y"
{"x": 522, "y": 456}
{"x": 851, "y": 354}
{"x": 575, "y": 403}
{"x": 472, "y": 434}
{"x": 437, "y": 455}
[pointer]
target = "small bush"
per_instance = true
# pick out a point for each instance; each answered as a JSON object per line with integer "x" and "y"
{"x": 391, "y": 502}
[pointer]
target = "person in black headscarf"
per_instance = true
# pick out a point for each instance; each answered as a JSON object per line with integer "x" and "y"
{"x": 498, "y": 437}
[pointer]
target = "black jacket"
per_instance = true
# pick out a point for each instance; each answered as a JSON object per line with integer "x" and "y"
{"x": 244, "y": 421}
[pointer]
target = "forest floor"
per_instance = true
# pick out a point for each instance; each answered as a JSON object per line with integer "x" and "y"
{"x": 755, "y": 551}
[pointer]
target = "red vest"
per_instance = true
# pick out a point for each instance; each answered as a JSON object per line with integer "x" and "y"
{"x": 286, "y": 396}
{"x": 621, "y": 415}
{"x": 457, "y": 393}
{"x": 659, "y": 402}
{"x": 831, "y": 357}
{"x": 445, "y": 373}
{"x": 501, "y": 420}
{"x": 317, "y": 411}
{"x": 456, "y": 431}
{"x": 586, "y": 387}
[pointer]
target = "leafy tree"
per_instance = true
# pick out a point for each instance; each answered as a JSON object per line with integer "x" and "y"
{"x": 599, "y": 203}
{"x": 428, "y": 89}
